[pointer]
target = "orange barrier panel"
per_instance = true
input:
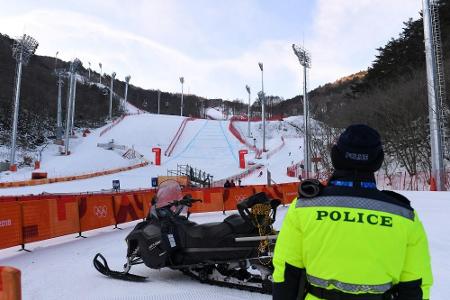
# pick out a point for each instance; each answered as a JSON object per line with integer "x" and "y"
{"x": 64, "y": 216}
{"x": 128, "y": 207}
{"x": 290, "y": 192}
{"x": 36, "y": 224}
{"x": 212, "y": 200}
{"x": 7, "y": 199}
{"x": 69, "y": 178}
{"x": 145, "y": 198}
{"x": 232, "y": 196}
{"x": 272, "y": 192}
{"x": 95, "y": 211}
{"x": 10, "y": 224}
{"x": 10, "y": 287}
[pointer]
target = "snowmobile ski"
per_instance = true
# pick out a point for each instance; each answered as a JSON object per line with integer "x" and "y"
{"x": 102, "y": 266}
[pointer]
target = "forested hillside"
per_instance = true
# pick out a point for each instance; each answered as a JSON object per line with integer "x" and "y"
{"x": 390, "y": 96}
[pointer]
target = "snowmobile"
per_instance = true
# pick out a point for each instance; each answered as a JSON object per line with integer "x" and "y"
{"x": 235, "y": 253}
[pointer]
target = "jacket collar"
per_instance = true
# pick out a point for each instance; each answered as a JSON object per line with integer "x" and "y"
{"x": 352, "y": 178}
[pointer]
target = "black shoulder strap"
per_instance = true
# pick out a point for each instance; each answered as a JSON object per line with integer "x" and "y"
{"x": 397, "y": 196}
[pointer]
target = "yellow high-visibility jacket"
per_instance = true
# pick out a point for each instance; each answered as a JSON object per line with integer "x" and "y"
{"x": 356, "y": 241}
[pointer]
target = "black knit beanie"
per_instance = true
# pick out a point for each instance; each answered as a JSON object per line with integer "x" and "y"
{"x": 358, "y": 148}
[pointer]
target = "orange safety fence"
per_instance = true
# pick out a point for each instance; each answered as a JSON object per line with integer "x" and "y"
{"x": 95, "y": 211}
{"x": 130, "y": 206}
{"x": 33, "y": 182}
{"x": 10, "y": 224}
{"x": 212, "y": 200}
{"x": 10, "y": 285}
{"x": 26, "y": 219}
{"x": 232, "y": 196}
{"x": 290, "y": 191}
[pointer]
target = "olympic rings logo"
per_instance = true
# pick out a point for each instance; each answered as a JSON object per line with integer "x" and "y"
{"x": 101, "y": 211}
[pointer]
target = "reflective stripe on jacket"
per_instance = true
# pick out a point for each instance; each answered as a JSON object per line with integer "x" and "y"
{"x": 363, "y": 243}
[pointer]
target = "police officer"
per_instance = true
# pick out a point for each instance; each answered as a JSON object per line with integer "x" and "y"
{"x": 349, "y": 240}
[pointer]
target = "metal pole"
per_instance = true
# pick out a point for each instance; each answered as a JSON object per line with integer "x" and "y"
{"x": 307, "y": 158}
{"x": 56, "y": 60}
{"x": 16, "y": 110}
{"x": 74, "y": 93}
{"x": 263, "y": 108}
{"x": 159, "y": 101}
{"x": 126, "y": 93}
{"x": 111, "y": 91}
{"x": 59, "y": 110}
{"x": 437, "y": 158}
{"x": 68, "y": 114}
{"x": 101, "y": 71}
{"x": 248, "y": 114}
{"x": 127, "y": 81}
{"x": 182, "y": 98}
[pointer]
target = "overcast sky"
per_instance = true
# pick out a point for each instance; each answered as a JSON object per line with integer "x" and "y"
{"x": 215, "y": 45}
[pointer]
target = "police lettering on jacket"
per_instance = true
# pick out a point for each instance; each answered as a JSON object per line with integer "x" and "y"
{"x": 354, "y": 217}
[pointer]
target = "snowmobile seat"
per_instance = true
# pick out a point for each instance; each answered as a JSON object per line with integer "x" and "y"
{"x": 198, "y": 234}
{"x": 238, "y": 224}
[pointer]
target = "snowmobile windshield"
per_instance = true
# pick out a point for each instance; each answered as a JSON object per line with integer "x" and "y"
{"x": 168, "y": 191}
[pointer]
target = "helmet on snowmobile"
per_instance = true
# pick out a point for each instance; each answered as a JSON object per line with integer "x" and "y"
{"x": 168, "y": 191}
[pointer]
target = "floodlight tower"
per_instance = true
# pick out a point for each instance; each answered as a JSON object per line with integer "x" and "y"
{"x": 111, "y": 91}
{"x": 182, "y": 83}
{"x": 56, "y": 60}
{"x": 59, "y": 127}
{"x": 72, "y": 109}
{"x": 23, "y": 48}
{"x": 263, "y": 106}
{"x": 127, "y": 82}
{"x": 89, "y": 70}
{"x": 159, "y": 101}
{"x": 436, "y": 90}
{"x": 248, "y": 111}
{"x": 101, "y": 71}
{"x": 305, "y": 60}
{"x": 70, "y": 99}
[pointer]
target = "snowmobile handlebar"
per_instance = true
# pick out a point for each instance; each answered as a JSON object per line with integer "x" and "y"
{"x": 186, "y": 201}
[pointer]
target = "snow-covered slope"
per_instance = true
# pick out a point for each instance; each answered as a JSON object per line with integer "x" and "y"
{"x": 205, "y": 144}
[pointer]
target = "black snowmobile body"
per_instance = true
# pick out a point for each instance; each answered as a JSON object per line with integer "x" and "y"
{"x": 220, "y": 253}
{"x": 176, "y": 241}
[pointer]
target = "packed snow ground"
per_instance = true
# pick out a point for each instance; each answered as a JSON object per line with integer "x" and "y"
{"x": 62, "y": 268}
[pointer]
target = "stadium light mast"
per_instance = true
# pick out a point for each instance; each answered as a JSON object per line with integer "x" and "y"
{"x": 56, "y": 60}
{"x": 70, "y": 102}
{"x": 101, "y": 71}
{"x": 127, "y": 82}
{"x": 23, "y": 48}
{"x": 182, "y": 83}
{"x": 159, "y": 101}
{"x": 72, "y": 109}
{"x": 59, "y": 127}
{"x": 263, "y": 106}
{"x": 436, "y": 91}
{"x": 305, "y": 61}
{"x": 111, "y": 91}
{"x": 89, "y": 70}
{"x": 248, "y": 111}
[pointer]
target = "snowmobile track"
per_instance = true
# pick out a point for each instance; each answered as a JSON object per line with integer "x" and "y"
{"x": 266, "y": 289}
